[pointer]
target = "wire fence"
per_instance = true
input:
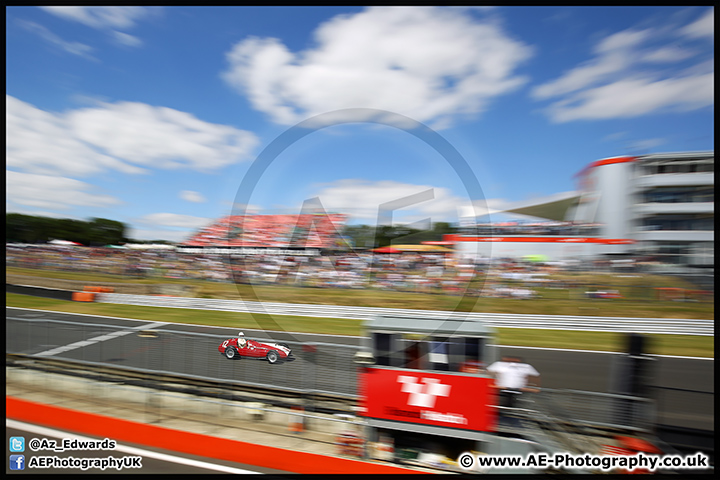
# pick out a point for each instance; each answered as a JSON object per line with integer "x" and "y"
{"x": 682, "y": 407}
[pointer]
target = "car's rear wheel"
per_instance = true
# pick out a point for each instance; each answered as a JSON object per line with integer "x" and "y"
{"x": 230, "y": 353}
{"x": 272, "y": 356}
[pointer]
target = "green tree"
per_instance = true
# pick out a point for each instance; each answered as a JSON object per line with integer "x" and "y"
{"x": 31, "y": 229}
{"x": 106, "y": 232}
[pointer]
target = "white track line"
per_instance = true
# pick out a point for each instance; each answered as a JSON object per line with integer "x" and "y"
{"x": 352, "y": 336}
{"x": 101, "y": 338}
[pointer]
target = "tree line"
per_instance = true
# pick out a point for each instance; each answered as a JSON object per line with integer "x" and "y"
{"x": 365, "y": 236}
{"x": 21, "y": 228}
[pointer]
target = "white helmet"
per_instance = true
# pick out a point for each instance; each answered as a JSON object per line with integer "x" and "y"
{"x": 241, "y": 334}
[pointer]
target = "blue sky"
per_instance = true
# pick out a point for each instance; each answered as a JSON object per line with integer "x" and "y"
{"x": 153, "y": 116}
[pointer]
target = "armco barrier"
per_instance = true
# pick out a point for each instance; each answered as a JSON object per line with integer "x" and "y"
{"x": 189, "y": 443}
{"x": 673, "y": 326}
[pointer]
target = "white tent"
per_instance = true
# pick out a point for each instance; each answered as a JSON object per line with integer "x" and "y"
{"x": 149, "y": 246}
{"x": 65, "y": 243}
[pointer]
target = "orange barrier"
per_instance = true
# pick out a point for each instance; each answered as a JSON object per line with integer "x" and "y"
{"x": 187, "y": 442}
{"x": 349, "y": 443}
{"x": 98, "y": 289}
{"x": 83, "y": 297}
{"x": 297, "y": 423}
{"x": 700, "y": 295}
{"x": 670, "y": 293}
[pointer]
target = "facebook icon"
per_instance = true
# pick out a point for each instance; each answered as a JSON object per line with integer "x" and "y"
{"x": 17, "y": 462}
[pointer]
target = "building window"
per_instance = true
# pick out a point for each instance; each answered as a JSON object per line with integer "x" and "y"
{"x": 706, "y": 167}
{"x": 680, "y": 167}
{"x": 433, "y": 353}
{"x": 385, "y": 347}
{"x": 679, "y": 222}
{"x": 679, "y": 195}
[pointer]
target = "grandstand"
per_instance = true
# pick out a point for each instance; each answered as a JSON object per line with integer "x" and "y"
{"x": 272, "y": 231}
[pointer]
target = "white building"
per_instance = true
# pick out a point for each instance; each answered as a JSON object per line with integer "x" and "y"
{"x": 657, "y": 205}
{"x": 663, "y": 202}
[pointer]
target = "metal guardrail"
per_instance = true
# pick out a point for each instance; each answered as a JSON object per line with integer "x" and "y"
{"x": 149, "y": 396}
{"x": 599, "y": 409}
{"x": 552, "y": 322}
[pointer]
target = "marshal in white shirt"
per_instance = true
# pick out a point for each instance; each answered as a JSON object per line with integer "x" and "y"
{"x": 512, "y": 374}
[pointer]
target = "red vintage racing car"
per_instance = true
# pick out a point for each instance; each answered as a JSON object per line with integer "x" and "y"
{"x": 240, "y": 346}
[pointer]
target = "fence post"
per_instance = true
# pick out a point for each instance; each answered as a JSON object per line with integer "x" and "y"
{"x": 310, "y": 354}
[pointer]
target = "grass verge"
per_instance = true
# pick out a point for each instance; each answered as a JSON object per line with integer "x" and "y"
{"x": 640, "y": 297}
{"x": 684, "y": 345}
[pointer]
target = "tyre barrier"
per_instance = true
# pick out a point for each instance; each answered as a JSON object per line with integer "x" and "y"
{"x": 96, "y": 289}
{"x": 83, "y": 297}
{"x": 53, "y": 293}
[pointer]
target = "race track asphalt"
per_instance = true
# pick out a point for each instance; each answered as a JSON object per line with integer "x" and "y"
{"x": 193, "y": 350}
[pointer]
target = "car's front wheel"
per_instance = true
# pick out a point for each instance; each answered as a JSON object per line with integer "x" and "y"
{"x": 272, "y": 356}
{"x": 230, "y": 353}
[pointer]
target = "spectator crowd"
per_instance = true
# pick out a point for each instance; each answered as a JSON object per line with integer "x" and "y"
{"x": 306, "y": 230}
{"x": 331, "y": 264}
{"x": 427, "y": 272}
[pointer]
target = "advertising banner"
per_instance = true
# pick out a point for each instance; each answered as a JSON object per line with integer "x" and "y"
{"x": 429, "y": 398}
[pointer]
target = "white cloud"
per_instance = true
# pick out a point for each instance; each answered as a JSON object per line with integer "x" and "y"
{"x": 125, "y": 136}
{"x": 361, "y": 199}
{"x": 668, "y": 54}
{"x": 704, "y": 27}
{"x": 161, "y": 137}
{"x": 247, "y": 209}
{"x": 75, "y": 48}
{"x": 624, "y": 80}
{"x": 127, "y": 39}
{"x": 634, "y": 145}
{"x": 648, "y": 144}
{"x": 52, "y": 192}
{"x": 637, "y": 96}
{"x": 173, "y": 227}
{"x": 617, "y": 136}
{"x": 190, "y": 196}
{"x": 101, "y": 17}
{"x": 83, "y": 99}
{"x": 623, "y": 41}
{"x": 175, "y": 220}
{"x": 157, "y": 234}
{"x": 108, "y": 19}
{"x": 44, "y": 143}
{"x": 428, "y": 63}
{"x": 615, "y": 55}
